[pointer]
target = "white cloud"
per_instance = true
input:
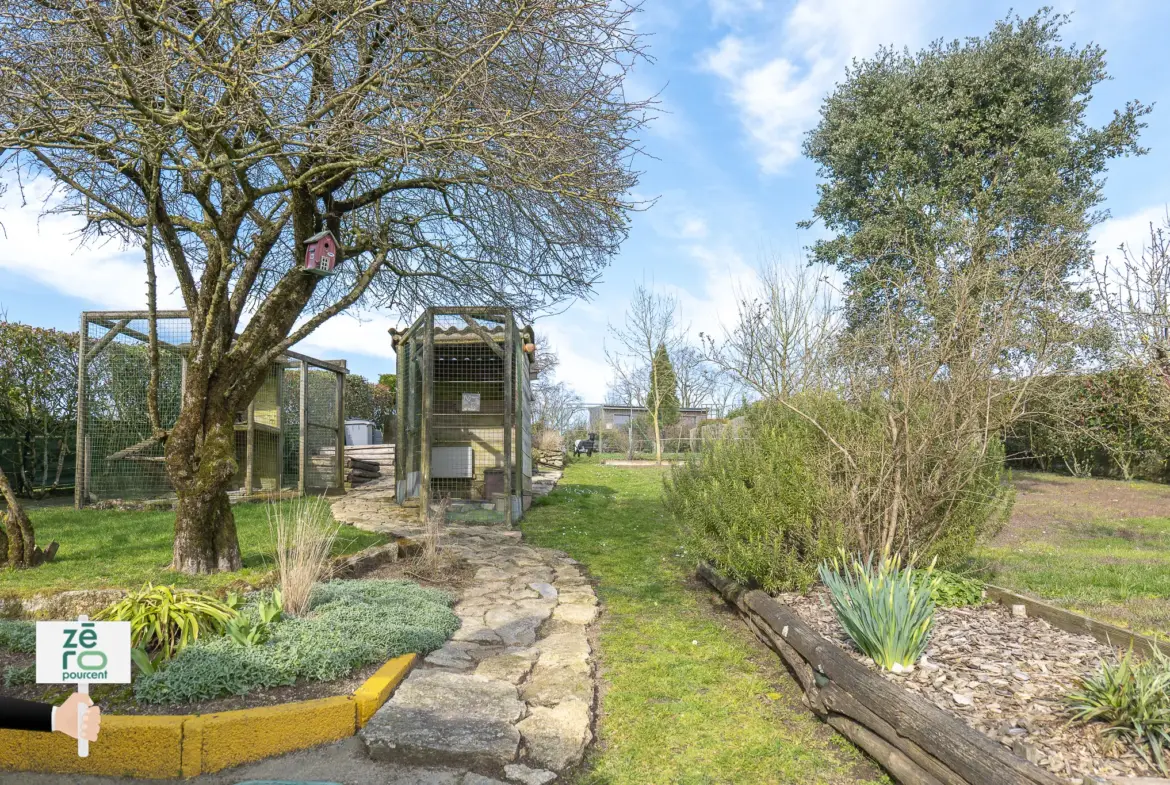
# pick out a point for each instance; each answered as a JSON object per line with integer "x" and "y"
{"x": 1132, "y": 230}
{"x": 577, "y": 338}
{"x": 778, "y": 96}
{"x": 46, "y": 249}
{"x": 365, "y": 333}
{"x": 712, "y": 303}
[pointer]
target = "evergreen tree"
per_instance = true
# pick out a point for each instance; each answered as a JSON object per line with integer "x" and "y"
{"x": 961, "y": 155}
{"x": 662, "y": 399}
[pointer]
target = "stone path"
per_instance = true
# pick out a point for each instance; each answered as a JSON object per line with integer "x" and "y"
{"x": 512, "y": 693}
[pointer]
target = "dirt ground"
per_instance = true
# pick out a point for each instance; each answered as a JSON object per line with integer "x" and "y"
{"x": 1097, "y": 546}
{"x": 1052, "y": 502}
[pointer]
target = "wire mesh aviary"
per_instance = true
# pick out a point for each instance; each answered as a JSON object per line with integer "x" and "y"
{"x": 290, "y": 438}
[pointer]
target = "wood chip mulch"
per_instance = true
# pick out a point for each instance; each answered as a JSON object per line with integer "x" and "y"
{"x": 1006, "y": 677}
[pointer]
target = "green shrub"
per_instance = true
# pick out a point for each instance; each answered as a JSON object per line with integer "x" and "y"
{"x": 19, "y": 675}
{"x": 1133, "y": 697}
{"x": 752, "y": 505}
{"x": 952, "y": 590}
{"x": 19, "y": 636}
{"x": 771, "y": 501}
{"x": 350, "y": 624}
{"x": 164, "y": 620}
{"x": 888, "y": 611}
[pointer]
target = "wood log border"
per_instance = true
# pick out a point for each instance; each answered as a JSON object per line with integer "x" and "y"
{"x": 914, "y": 740}
{"x": 1069, "y": 621}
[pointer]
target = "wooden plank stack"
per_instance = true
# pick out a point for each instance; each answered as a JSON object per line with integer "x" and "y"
{"x": 359, "y": 471}
{"x": 366, "y": 463}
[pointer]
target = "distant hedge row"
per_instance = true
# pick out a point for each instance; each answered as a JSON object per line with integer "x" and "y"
{"x": 1108, "y": 424}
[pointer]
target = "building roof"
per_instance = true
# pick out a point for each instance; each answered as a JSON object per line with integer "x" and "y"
{"x": 622, "y": 407}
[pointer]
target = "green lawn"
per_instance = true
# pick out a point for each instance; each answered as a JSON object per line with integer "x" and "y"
{"x": 688, "y": 696}
{"x": 109, "y": 548}
{"x": 1090, "y": 545}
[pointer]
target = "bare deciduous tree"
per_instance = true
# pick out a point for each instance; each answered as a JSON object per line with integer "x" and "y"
{"x": 459, "y": 150}
{"x": 695, "y": 375}
{"x": 555, "y": 405}
{"x": 784, "y": 333}
{"x": 1133, "y": 293}
{"x": 650, "y": 323}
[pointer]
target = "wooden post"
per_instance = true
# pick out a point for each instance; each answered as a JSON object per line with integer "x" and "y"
{"x": 518, "y": 371}
{"x": 303, "y": 457}
{"x": 279, "y": 428}
{"x": 339, "y": 397}
{"x": 428, "y": 378}
{"x": 250, "y": 450}
{"x": 509, "y": 412}
{"x": 400, "y": 446}
{"x": 81, "y": 465}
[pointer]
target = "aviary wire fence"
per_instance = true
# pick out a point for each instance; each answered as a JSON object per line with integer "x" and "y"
{"x": 464, "y": 413}
{"x": 289, "y": 439}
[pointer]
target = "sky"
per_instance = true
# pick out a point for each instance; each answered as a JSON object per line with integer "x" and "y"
{"x": 739, "y": 83}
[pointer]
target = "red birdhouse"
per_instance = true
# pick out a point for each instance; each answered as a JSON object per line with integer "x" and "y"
{"x": 321, "y": 253}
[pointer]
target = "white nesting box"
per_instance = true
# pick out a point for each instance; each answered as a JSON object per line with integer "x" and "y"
{"x": 452, "y": 462}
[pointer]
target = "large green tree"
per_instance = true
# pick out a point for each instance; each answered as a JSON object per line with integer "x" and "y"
{"x": 38, "y": 397}
{"x": 959, "y": 185}
{"x": 458, "y": 150}
{"x": 962, "y": 154}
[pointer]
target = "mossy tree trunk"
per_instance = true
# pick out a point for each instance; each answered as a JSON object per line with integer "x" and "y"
{"x": 18, "y": 537}
{"x": 201, "y": 461}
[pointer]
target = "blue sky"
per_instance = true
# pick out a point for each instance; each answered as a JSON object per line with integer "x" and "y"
{"x": 739, "y": 82}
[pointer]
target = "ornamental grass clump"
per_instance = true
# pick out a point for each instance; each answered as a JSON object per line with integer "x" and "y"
{"x": 886, "y": 610}
{"x": 303, "y": 532}
{"x": 1132, "y": 697}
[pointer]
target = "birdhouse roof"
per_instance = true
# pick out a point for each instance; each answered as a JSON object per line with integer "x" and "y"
{"x": 320, "y": 235}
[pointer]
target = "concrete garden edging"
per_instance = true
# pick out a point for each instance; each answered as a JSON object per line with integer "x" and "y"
{"x": 915, "y": 741}
{"x": 164, "y": 747}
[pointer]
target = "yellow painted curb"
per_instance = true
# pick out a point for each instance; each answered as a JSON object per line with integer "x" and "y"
{"x": 130, "y": 746}
{"x": 377, "y": 689}
{"x": 168, "y": 746}
{"x": 236, "y": 737}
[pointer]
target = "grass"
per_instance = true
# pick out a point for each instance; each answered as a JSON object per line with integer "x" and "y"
{"x": 116, "y": 549}
{"x": 642, "y": 455}
{"x": 1070, "y": 542}
{"x": 689, "y": 696}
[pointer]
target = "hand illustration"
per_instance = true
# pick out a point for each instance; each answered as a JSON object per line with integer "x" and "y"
{"x": 65, "y": 717}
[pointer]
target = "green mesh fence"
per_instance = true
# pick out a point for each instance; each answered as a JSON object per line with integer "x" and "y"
{"x": 118, "y": 457}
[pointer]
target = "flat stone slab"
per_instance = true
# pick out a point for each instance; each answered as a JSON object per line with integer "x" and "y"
{"x": 518, "y": 772}
{"x": 545, "y": 590}
{"x": 451, "y": 719}
{"x": 510, "y": 696}
{"x": 556, "y": 738}
{"x": 565, "y": 649}
{"x": 461, "y": 655}
{"x": 511, "y": 668}
{"x": 419, "y": 736}
{"x": 576, "y": 613}
{"x": 548, "y": 686}
{"x": 471, "y": 778}
{"x": 516, "y": 624}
